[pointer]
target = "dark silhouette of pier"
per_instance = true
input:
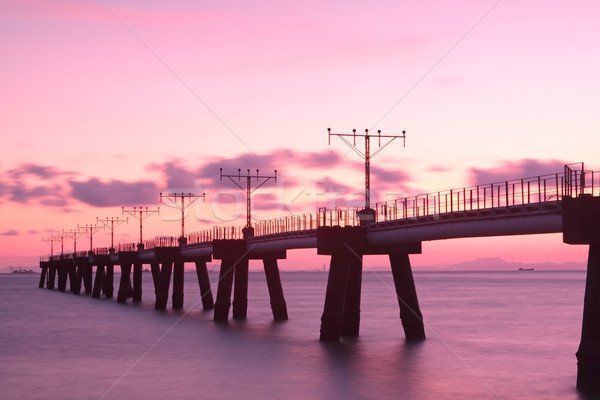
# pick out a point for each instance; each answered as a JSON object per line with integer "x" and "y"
{"x": 567, "y": 202}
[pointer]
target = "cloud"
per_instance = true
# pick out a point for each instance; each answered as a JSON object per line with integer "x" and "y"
{"x": 509, "y": 170}
{"x": 176, "y": 175}
{"x": 10, "y": 232}
{"x": 382, "y": 175}
{"x": 114, "y": 192}
{"x": 30, "y": 182}
{"x": 40, "y": 171}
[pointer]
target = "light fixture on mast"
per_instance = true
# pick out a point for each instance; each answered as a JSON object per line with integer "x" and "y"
{"x": 367, "y": 214}
{"x": 248, "y": 229}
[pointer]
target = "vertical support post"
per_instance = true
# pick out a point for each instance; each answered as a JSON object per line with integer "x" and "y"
{"x": 351, "y": 316}
{"x": 240, "y": 289}
{"x": 76, "y": 284}
{"x": 155, "y": 268}
{"x": 204, "y": 284}
{"x": 43, "y": 277}
{"x": 178, "y": 274}
{"x": 223, "y": 302}
{"x": 62, "y": 276}
{"x": 278, "y": 305}
{"x": 87, "y": 277}
{"x": 98, "y": 282}
{"x": 335, "y": 297}
{"x": 51, "y": 278}
{"x": 137, "y": 282}
{"x": 125, "y": 283}
{"x": 109, "y": 281}
{"x": 410, "y": 313}
{"x": 72, "y": 275}
{"x": 588, "y": 354}
{"x": 162, "y": 295}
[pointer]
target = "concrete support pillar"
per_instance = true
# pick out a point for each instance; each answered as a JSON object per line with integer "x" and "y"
{"x": 278, "y": 305}
{"x": 63, "y": 273}
{"x": 335, "y": 297}
{"x": 98, "y": 282}
{"x": 51, "y": 277}
{"x": 588, "y": 354}
{"x": 108, "y": 288}
{"x": 223, "y": 302}
{"x": 410, "y": 313}
{"x": 204, "y": 284}
{"x": 76, "y": 283}
{"x": 162, "y": 294}
{"x": 178, "y": 278}
{"x": 351, "y": 316}
{"x": 240, "y": 289}
{"x": 125, "y": 283}
{"x": 137, "y": 282}
{"x": 72, "y": 276}
{"x": 155, "y": 270}
{"x": 87, "y": 278}
{"x": 43, "y": 277}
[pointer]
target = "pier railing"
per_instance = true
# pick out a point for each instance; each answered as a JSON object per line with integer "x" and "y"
{"x": 537, "y": 191}
{"x": 528, "y": 193}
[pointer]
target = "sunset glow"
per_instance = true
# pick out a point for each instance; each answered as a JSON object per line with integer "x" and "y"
{"x": 106, "y": 104}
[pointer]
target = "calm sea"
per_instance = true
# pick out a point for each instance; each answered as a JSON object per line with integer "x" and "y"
{"x": 491, "y": 335}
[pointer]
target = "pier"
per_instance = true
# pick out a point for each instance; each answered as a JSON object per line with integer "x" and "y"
{"x": 566, "y": 202}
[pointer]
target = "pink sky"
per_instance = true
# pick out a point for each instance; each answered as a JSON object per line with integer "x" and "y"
{"x": 106, "y": 104}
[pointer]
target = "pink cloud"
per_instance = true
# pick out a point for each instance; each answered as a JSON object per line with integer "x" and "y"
{"x": 515, "y": 170}
{"x": 114, "y": 192}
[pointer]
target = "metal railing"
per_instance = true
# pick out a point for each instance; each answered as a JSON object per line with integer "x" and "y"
{"x": 161, "y": 241}
{"x": 126, "y": 247}
{"x": 519, "y": 194}
{"x": 216, "y": 233}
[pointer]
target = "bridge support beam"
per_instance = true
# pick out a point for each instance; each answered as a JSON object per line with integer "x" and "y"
{"x": 581, "y": 225}
{"x": 223, "y": 302}
{"x": 162, "y": 290}
{"x": 63, "y": 274}
{"x": 88, "y": 275}
{"x": 108, "y": 288}
{"x": 240, "y": 289}
{"x": 98, "y": 282}
{"x": 51, "y": 277}
{"x": 351, "y": 317}
{"x": 410, "y": 313}
{"x": 204, "y": 284}
{"x": 125, "y": 283}
{"x": 332, "y": 319}
{"x": 341, "y": 312}
{"x": 72, "y": 275}
{"x": 278, "y": 305}
{"x": 588, "y": 354}
{"x": 43, "y": 276}
{"x": 136, "y": 292}
{"x": 77, "y": 277}
{"x": 178, "y": 276}
{"x": 234, "y": 258}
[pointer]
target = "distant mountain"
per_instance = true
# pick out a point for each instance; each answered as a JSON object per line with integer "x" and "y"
{"x": 498, "y": 264}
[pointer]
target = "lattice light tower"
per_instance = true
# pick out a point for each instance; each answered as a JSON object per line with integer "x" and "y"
{"x": 140, "y": 213}
{"x": 248, "y": 229}
{"x": 173, "y": 197}
{"x": 110, "y": 224}
{"x": 367, "y": 215}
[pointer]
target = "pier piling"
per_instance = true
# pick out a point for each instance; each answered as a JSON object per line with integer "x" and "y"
{"x": 204, "y": 284}
{"x": 278, "y": 305}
